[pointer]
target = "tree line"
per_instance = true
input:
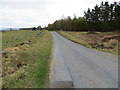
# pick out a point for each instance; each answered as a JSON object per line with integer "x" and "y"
{"x": 105, "y": 17}
{"x": 33, "y": 28}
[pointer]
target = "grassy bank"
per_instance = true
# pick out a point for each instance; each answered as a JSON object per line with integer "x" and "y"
{"x": 107, "y": 41}
{"x": 27, "y": 66}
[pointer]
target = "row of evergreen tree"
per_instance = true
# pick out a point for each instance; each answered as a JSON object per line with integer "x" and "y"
{"x": 105, "y": 17}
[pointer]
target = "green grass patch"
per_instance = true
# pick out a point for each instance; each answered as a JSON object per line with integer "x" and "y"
{"x": 13, "y": 37}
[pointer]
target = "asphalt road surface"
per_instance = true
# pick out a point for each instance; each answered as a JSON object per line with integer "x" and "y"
{"x": 80, "y": 67}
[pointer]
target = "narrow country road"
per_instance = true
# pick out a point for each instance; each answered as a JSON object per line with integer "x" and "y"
{"x": 82, "y": 67}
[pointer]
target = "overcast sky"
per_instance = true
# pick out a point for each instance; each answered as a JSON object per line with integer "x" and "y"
{"x": 29, "y": 13}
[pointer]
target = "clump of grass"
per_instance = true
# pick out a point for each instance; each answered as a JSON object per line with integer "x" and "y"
{"x": 11, "y": 60}
{"x": 111, "y": 43}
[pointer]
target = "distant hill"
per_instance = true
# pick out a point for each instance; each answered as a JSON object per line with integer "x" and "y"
{"x": 9, "y": 29}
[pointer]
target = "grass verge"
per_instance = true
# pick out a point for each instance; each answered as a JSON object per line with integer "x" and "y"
{"x": 28, "y": 66}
